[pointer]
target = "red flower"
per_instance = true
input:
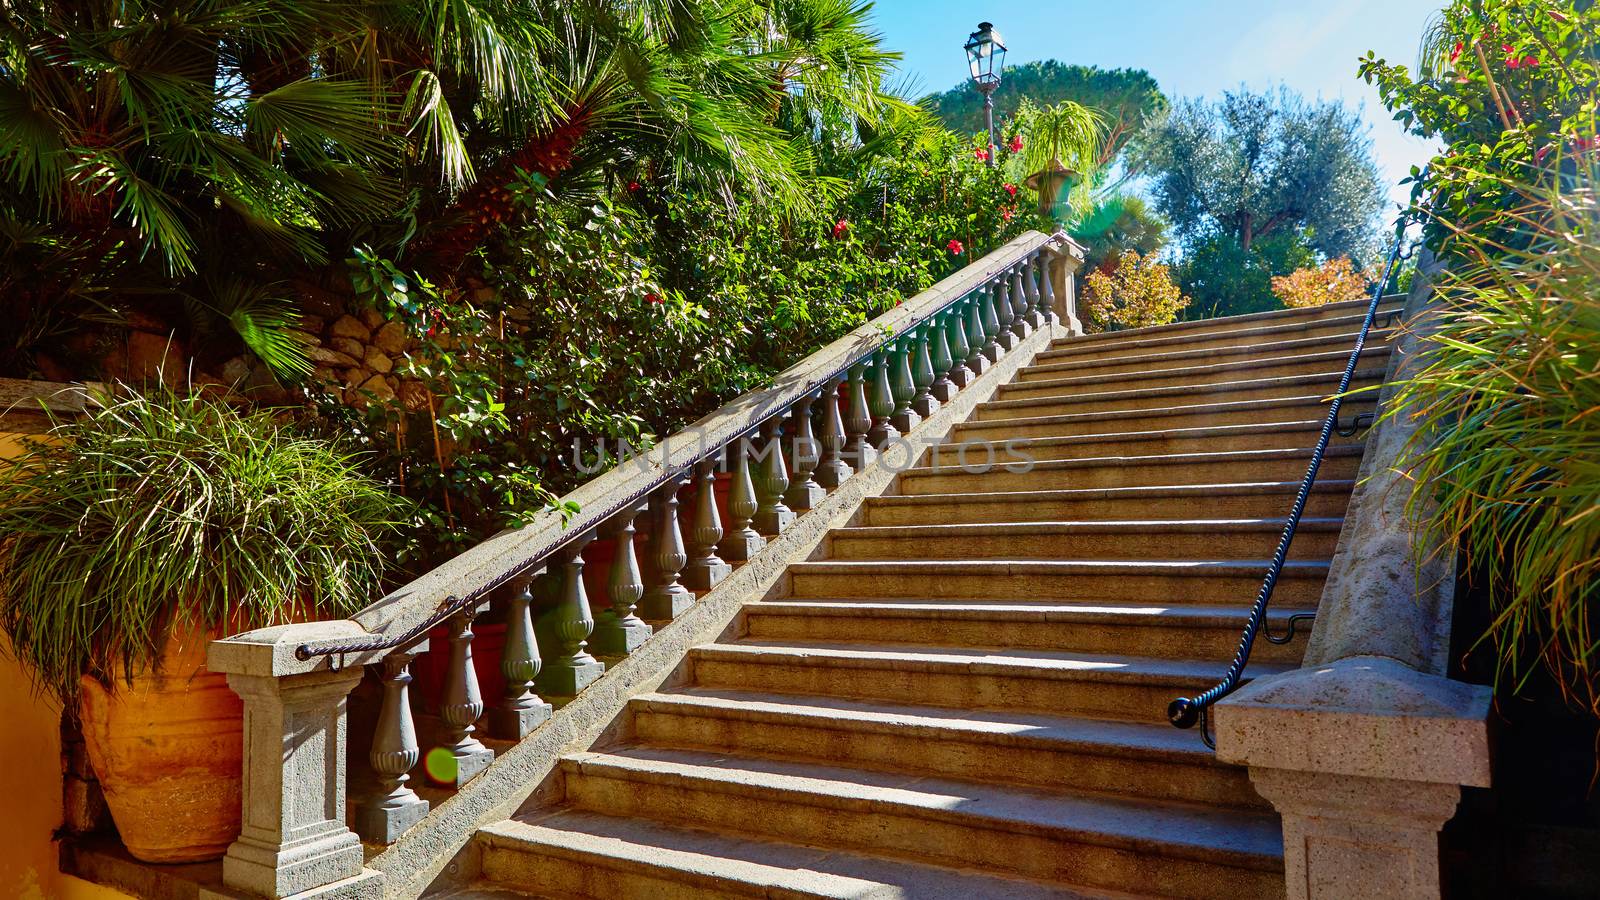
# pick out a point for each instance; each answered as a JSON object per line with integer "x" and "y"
{"x": 955, "y": 247}
{"x": 1530, "y": 61}
{"x": 1016, "y": 143}
{"x": 982, "y": 154}
{"x": 1543, "y": 152}
{"x": 1455, "y": 53}
{"x": 633, "y": 186}
{"x": 1007, "y": 212}
{"x": 652, "y": 297}
{"x": 840, "y": 228}
{"x": 1011, "y": 189}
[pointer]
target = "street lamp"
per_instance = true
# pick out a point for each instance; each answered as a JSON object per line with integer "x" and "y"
{"x": 986, "y": 57}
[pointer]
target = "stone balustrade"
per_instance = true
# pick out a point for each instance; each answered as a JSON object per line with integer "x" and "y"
{"x": 668, "y": 525}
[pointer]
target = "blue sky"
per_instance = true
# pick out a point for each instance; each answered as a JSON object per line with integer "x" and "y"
{"x": 1192, "y": 48}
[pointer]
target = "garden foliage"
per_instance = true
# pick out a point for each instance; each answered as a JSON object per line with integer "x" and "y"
{"x": 1510, "y": 470}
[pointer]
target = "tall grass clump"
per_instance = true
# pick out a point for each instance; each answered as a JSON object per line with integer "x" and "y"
{"x": 1512, "y": 380}
{"x": 157, "y": 511}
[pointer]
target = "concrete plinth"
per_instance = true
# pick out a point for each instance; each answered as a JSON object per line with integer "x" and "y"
{"x": 1364, "y": 759}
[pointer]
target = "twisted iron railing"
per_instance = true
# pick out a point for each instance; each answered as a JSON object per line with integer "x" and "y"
{"x": 1186, "y": 712}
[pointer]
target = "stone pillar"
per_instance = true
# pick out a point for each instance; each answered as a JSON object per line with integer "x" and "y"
{"x": 1063, "y": 266}
{"x": 1364, "y": 759}
{"x": 293, "y": 836}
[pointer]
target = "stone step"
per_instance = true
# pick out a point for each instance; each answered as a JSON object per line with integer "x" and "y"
{"x": 1147, "y": 759}
{"x": 576, "y": 854}
{"x": 1064, "y": 838}
{"x": 1059, "y": 682}
{"x": 1183, "y": 413}
{"x": 1178, "y": 581}
{"x": 1315, "y": 538}
{"x": 1125, "y": 344}
{"x": 1343, "y": 342}
{"x": 1220, "y": 438}
{"x": 1212, "y": 373}
{"x": 1153, "y": 628}
{"x": 1336, "y": 311}
{"x": 1328, "y": 497}
{"x": 1067, "y": 401}
{"x": 1340, "y": 461}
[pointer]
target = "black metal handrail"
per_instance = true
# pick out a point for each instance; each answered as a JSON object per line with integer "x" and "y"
{"x": 453, "y": 604}
{"x": 1185, "y": 712}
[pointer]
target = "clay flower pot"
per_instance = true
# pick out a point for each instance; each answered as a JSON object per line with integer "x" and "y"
{"x": 168, "y": 750}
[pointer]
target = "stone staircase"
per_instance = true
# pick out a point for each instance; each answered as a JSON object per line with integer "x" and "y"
{"x": 964, "y": 695}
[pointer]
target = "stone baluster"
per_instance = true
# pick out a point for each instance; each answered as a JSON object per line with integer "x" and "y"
{"x": 977, "y": 361}
{"x": 665, "y": 598}
{"x": 570, "y": 668}
{"x": 940, "y": 359}
{"x": 617, "y": 631}
{"x": 1021, "y": 302}
{"x": 955, "y": 330}
{"x": 922, "y": 369}
{"x": 988, "y": 305}
{"x": 520, "y": 710}
{"x": 1000, "y": 310}
{"x": 395, "y": 807}
{"x": 804, "y": 491}
{"x": 881, "y": 402}
{"x": 772, "y": 514}
{"x": 902, "y": 385}
{"x": 705, "y": 567}
{"x": 1039, "y": 292}
{"x": 832, "y": 470}
{"x": 858, "y": 421}
{"x": 742, "y": 541}
{"x": 461, "y": 756}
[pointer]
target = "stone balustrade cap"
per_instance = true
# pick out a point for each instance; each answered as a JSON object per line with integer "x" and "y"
{"x": 269, "y": 652}
{"x": 1367, "y": 716}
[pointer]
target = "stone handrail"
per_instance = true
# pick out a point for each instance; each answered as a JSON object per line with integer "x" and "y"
{"x": 295, "y": 679}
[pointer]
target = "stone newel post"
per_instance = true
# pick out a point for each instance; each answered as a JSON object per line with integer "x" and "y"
{"x": 1062, "y": 264}
{"x": 294, "y": 836}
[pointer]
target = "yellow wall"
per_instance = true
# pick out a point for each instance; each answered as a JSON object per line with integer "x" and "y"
{"x": 30, "y": 758}
{"x": 30, "y": 764}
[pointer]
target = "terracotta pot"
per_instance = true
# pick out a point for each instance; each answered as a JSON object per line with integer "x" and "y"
{"x": 168, "y": 751}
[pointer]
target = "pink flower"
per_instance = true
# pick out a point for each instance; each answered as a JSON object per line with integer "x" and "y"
{"x": 982, "y": 154}
{"x": 1543, "y": 152}
{"x": 840, "y": 228}
{"x": 955, "y": 247}
{"x": 1016, "y": 143}
{"x": 1011, "y": 189}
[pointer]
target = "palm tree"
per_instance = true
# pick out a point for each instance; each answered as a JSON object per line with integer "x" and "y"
{"x": 200, "y": 159}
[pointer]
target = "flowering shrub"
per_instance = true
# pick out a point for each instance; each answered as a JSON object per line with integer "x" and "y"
{"x": 1139, "y": 293}
{"x": 1332, "y": 282}
{"x": 626, "y": 320}
{"x": 1510, "y": 87}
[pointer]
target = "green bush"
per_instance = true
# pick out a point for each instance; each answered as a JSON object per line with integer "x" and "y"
{"x": 1511, "y": 88}
{"x": 630, "y": 317}
{"x": 159, "y": 509}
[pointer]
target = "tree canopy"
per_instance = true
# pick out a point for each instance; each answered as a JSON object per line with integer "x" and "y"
{"x": 1253, "y": 165}
{"x": 1127, "y": 99}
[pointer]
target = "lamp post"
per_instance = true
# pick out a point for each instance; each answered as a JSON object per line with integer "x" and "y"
{"x": 986, "y": 56}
